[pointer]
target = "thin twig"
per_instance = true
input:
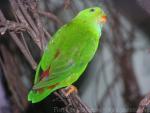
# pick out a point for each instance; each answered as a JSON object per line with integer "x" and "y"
{"x": 66, "y": 4}
{"x": 143, "y": 104}
{"x": 51, "y": 16}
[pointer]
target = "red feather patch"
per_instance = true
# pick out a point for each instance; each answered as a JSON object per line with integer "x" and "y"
{"x": 52, "y": 86}
{"x": 40, "y": 90}
{"x": 45, "y": 73}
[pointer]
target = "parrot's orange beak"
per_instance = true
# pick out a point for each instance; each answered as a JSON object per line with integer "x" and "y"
{"x": 103, "y": 19}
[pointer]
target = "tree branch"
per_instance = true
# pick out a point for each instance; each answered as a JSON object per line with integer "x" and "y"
{"x": 143, "y": 104}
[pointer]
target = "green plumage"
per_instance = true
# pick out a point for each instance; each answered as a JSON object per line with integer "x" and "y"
{"x": 67, "y": 54}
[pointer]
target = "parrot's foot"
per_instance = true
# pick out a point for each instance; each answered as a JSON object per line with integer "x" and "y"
{"x": 70, "y": 89}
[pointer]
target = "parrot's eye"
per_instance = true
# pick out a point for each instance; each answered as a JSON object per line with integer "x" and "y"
{"x": 92, "y": 10}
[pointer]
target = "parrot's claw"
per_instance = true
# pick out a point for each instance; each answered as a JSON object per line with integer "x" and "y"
{"x": 70, "y": 89}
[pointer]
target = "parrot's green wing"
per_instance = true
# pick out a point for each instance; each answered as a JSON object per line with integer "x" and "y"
{"x": 58, "y": 71}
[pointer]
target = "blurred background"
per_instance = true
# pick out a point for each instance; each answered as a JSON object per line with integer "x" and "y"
{"x": 115, "y": 81}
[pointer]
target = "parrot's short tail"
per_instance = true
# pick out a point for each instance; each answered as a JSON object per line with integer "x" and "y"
{"x": 37, "y": 96}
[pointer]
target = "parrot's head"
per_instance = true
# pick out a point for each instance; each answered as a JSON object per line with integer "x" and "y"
{"x": 93, "y": 14}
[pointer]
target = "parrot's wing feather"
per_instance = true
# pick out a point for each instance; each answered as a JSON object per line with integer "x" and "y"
{"x": 60, "y": 68}
{"x": 50, "y": 53}
{"x": 56, "y": 76}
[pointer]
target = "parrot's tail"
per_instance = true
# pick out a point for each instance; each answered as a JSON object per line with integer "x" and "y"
{"x": 37, "y": 96}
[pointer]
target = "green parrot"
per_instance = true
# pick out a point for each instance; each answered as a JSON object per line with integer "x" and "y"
{"x": 68, "y": 53}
